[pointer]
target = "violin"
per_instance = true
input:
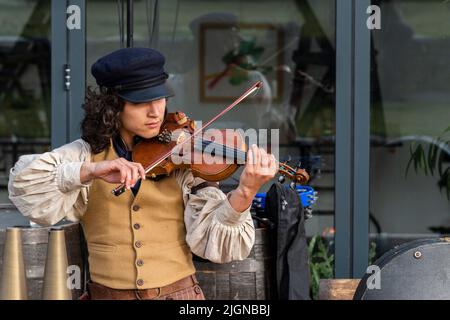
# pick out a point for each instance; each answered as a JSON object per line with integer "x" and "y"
{"x": 208, "y": 159}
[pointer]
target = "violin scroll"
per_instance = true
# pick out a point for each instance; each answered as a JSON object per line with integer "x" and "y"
{"x": 296, "y": 175}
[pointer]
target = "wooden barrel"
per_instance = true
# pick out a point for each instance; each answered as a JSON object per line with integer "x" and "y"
{"x": 250, "y": 279}
{"x": 35, "y": 242}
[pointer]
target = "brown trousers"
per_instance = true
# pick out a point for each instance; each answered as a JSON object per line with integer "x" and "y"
{"x": 183, "y": 289}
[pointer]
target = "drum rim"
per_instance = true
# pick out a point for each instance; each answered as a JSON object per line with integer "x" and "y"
{"x": 393, "y": 253}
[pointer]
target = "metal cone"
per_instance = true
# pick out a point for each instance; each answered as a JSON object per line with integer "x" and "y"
{"x": 13, "y": 281}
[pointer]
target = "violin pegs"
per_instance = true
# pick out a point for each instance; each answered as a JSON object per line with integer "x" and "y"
{"x": 293, "y": 185}
{"x": 281, "y": 179}
{"x": 299, "y": 165}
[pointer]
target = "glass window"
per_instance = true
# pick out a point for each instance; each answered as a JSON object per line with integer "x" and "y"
{"x": 24, "y": 82}
{"x": 215, "y": 50}
{"x": 410, "y": 113}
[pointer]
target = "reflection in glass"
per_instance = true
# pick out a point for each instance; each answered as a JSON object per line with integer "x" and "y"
{"x": 410, "y": 110}
{"x": 24, "y": 82}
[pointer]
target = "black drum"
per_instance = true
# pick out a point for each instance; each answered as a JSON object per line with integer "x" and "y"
{"x": 417, "y": 270}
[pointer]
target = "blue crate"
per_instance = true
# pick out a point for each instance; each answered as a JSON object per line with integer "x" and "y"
{"x": 308, "y": 197}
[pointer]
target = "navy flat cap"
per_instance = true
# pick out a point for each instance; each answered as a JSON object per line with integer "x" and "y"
{"x": 136, "y": 73}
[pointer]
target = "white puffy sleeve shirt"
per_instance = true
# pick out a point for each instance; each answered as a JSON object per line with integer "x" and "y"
{"x": 46, "y": 188}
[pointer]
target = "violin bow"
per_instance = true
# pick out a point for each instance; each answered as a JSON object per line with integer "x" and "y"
{"x": 121, "y": 189}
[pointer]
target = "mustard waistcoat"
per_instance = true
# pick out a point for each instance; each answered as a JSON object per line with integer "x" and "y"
{"x": 136, "y": 242}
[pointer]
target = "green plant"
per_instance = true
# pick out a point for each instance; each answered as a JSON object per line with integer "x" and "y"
{"x": 372, "y": 252}
{"x": 321, "y": 261}
{"x": 431, "y": 161}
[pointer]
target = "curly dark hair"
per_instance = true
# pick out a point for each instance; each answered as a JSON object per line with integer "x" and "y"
{"x": 101, "y": 120}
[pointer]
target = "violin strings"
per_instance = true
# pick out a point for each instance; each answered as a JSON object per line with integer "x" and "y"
{"x": 224, "y": 149}
{"x": 239, "y": 154}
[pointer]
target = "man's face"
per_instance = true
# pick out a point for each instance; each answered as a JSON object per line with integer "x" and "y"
{"x": 143, "y": 119}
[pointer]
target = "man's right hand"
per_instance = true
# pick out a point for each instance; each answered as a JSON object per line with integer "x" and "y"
{"x": 113, "y": 171}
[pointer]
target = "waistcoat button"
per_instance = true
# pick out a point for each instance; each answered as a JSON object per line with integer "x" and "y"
{"x": 136, "y": 226}
{"x": 140, "y": 262}
{"x": 140, "y": 282}
{"x": 136, "y": 207}
{"x": 138, "y": 244}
